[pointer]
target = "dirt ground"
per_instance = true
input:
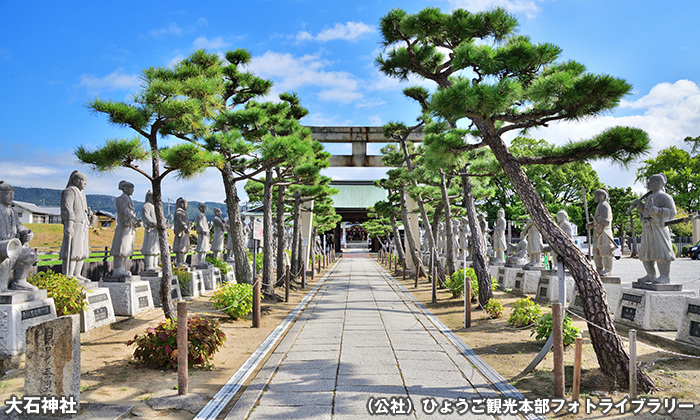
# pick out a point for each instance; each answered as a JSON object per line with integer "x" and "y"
{"x": 109, "y": 374}
{"x": 510, "y": 350}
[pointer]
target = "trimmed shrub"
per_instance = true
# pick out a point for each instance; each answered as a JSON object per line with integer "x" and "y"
{"x": 158, "y": 346}
{"x": 525, "y": 312}
{"x": 184, "y": 278}
{"x": 258, "y": 261}
{"x": 220, "y": 264}
{"x": 68, "y": 296}
{"x": 235, "y": 300}
{"x": 543, "y": 329}
{"x": 494, "y": 308}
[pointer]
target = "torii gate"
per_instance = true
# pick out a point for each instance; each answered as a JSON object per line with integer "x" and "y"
{"x": 359, "y": 137}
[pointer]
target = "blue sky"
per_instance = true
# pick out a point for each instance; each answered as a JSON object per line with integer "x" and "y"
{"x": 55, "y": 56}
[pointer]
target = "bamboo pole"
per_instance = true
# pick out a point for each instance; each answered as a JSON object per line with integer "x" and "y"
{"x": 558, "y": 336}
{"x": 633, "y": 364}
{"x": 577, "y": 369}
{"x": 182, "y": 348}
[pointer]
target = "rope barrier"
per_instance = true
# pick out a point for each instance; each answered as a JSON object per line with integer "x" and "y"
{"x": 627, "y": 339}
{"x": 244, "y": 296}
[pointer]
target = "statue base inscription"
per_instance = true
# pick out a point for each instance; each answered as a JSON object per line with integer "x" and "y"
{"x": 19, "y": 314}
{"x": 212, "y": 278}
{"x": 195, "y": 287}
{"x": 175, "y": 293}
{"x": 99, "y": 310}
{"x": 548, "y": 289}
{"x": 689, "y": 327}
{"x": 130, "y": 297}
{"x": 650, "y": 310}
{"x": 53, "y": 359}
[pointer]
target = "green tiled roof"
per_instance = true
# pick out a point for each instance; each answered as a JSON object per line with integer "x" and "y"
{"x": 357, "y": 196}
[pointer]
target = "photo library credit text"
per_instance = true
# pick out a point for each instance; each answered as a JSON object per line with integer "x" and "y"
{"x": 503, "y": 406}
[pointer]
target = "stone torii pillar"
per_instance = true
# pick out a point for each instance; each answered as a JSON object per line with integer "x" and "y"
{"x": 411, "y": 207}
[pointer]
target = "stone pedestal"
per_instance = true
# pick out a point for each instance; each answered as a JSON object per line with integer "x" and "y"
{"x": 155, "y": 281}
{"x": 548, "y": 289}
{"x": 689, "y": 326}
{"x": 131, "y": 297}
{"x": 506, "y": 277}
{"x": 19, "y": 311}
{"x": 651, "y": 310}
{"x": 212, "y": 278}
{"x": 612, "y": 293}
{"x": 230, "y": 277}
{"x": 195, "y": 287}
{"x": 657, "y": 287}
{"x": 526, "y": 281}
{"x": 53, "y": 359}
{"x": 99, "y": 310}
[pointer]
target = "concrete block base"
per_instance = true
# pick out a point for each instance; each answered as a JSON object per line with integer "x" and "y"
{"x": 15, "y": 318}
{"x": 99, "y": 310}
{"x": 130, "y": 297}
{"x": 651, "y": 311}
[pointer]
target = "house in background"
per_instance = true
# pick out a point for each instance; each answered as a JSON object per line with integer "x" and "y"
{"x": 31, "y": 213}
{"x": 105, "y": 219}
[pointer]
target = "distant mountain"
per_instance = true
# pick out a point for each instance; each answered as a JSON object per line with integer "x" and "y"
{"x": 46, "y": 197}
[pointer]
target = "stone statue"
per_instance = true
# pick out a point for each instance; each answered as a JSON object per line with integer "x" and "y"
{"x": 565, "y": 225}
{"x": 181, "y": 230}
{"x": 603, "y": 242}
{"x": 499, "y": 236}
{"x": 202, "y": 226}
{"x": 464, "y": 234}
{"x": 125, "y": 232}
{"x": 229, "y": 241}
{"x": 151, "y": 245}
{"x": 75, "y": 216}
{"x": 484, "y": 226}
{"x": 518, "y": 259}
{"x": 656, "y": 247}
{"x": 16, "y": 258}
{"x": 217, "y": 243}
{"x": 534, "y": 245}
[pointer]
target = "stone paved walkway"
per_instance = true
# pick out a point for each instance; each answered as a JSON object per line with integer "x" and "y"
{"x": 360, "y": 338}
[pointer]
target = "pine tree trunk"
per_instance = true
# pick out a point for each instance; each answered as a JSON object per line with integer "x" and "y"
{"x": 612, "y": 358}
{"x": 449, "y": 235}
{"x": 395, "y": 227}
{"x": 235, "y": 227}
{"x": 296, "y": 236}
{"x": 268, "y": 285}
{"x": 280, "y": 235}
{"x": 479, "y": 260}
{"x": 162, "y": 229}
{"x": 437, "y": 215}
{"x": 410, "y": 237}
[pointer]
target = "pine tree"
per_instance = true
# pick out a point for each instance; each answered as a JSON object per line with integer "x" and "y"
{"x": 501, "y": 82}
{"x": 173, "y": 102}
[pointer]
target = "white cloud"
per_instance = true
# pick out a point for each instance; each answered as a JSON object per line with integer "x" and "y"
{"x": 291, "y": 73}
{"x": 175, "y": 29}
{"x": 350, "y": 31}
{"x": 529, "y": 7}
{"x": 175, "y": 60}
{"x": 668, "y": 113}
{"x": 114, "y": 81}
{"x": 211, "y": 44}
{"x": 172, "y": 29}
